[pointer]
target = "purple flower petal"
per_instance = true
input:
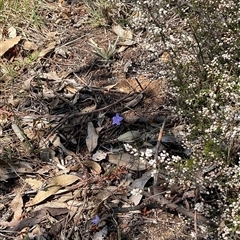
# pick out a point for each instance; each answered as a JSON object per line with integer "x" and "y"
{"x": 95, "y": 220}
{"x": 117, "y": 119}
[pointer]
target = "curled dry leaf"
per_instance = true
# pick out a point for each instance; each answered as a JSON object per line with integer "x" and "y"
{"x": 93, "y": 165}
{"x": 6, "y": 45}
{"x": 128, "y": 160}
{"x": 63, "y": 180}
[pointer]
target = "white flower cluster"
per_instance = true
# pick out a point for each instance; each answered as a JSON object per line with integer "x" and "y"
{"x": 147, "y": 157}
{"x": 136, "y": 191}
{"x": 199, "y": 207}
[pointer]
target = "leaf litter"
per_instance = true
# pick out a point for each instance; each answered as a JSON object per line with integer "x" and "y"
{"x": 66, "y": 165}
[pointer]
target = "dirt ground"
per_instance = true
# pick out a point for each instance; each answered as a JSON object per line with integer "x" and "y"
{"x": 57, "y": 96}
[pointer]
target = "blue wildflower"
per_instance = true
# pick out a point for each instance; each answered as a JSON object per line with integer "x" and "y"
{"x": 117, "y": 119}
{"x": 95, "y": 220}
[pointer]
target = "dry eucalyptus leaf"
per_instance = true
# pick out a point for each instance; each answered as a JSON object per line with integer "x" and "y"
{"x": 129, "y": 136}
{"x": 16, "y": 206}
{"x": 63, "y": 180}
{"x": 92, "y": 137}
{"x": 29, "y": 46}
{"x": 99, "y": 156}
{"x": 43, "y": 194}
{"x": 55, "y": 184}
{"x": 95, "y": 166}
{"x": 6, "y": 45}
{"x": 18, "y": 132}
{"x": 45, "y": 51}
{"x": 128, "y": 160}
{"x": 139, "y": 184}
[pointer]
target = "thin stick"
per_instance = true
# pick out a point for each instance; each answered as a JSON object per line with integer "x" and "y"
{"x": 155, "y": 177}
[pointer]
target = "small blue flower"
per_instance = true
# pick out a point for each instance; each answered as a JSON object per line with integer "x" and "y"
{"x": 117, "y": 119}
{"x": 95, "y": 220}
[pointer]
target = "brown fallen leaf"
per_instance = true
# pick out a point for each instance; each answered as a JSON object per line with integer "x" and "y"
{"x": 16, "y": 206}
{"x": 63, "y": 180}
{"x": 6, "y": 45}
{"x": 45, "y": 51}
{"x": 43, "y": 195}
{"x": 95, "y": 166}
{"x": 55, "y": 184}
{"x": 92, "y": 137}
{"x": 29, "y": 46}
{"x": 18, "y": 132}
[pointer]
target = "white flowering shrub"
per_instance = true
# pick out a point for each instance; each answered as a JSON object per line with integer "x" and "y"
{"x": 202, "y": 39}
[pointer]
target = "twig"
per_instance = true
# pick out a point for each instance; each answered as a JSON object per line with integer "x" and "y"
{"x": 195, "y": 224}
{"x": 155, "y": 177}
